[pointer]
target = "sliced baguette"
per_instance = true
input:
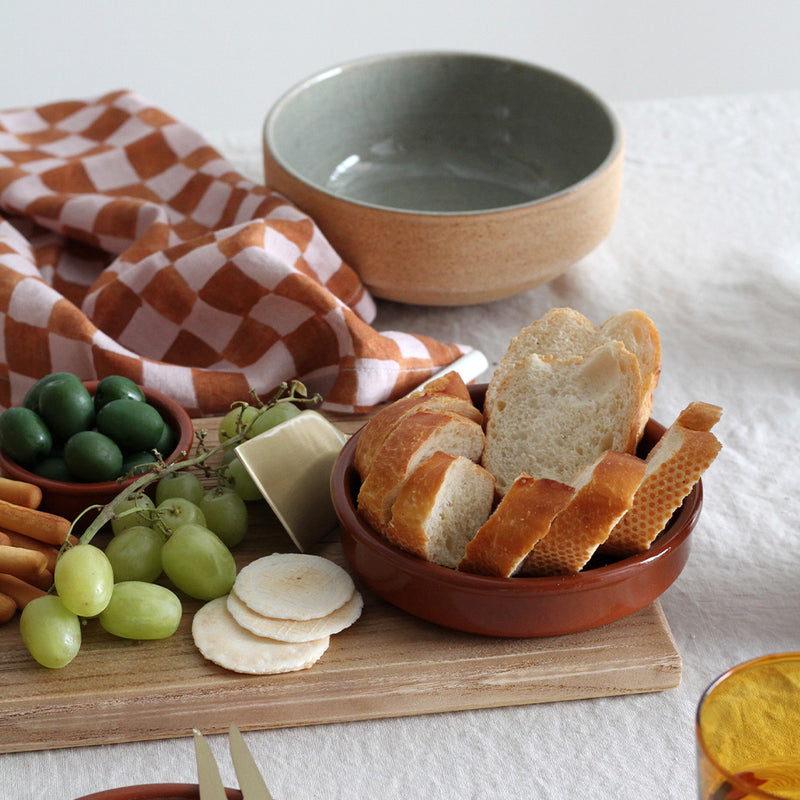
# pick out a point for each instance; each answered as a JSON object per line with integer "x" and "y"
{"x": 374, "y": 433}
{"x": 414, "y": 439}
{"x": 565, "y": 333}
{"x": 604, "y": 492}
{"x": 440, "y": 507}
{"x": 450, "y": 383}
{"x": 674, "y": 465}
{"x": 520, "y": 520}
{"x": 553, "y": 417}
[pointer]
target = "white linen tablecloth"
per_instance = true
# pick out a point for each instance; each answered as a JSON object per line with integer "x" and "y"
{"x": 708, "y": 243}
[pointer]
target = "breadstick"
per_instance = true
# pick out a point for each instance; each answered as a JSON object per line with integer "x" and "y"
{"x": 20, "y": 540}
{"x": 7, "y": 608}
{"x": 20, "y": 591}
{"x": 39, "y": 525}
{"x": 20, "y": 493}
{"x": 42, "y": 580}
{"x": 19, "y": 561}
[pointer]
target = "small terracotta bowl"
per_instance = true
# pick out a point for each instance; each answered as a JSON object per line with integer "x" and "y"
{"x": 448, "y": 178}
{"x": 511, "y": 607}
{"x": 157, "y": 791}
{"x": 70, "y": 499}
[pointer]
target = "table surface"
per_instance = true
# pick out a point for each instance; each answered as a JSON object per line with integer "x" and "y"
{"x": 708, "y": 243}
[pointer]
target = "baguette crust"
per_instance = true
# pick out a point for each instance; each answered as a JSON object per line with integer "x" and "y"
{"x": 450, "y": 383}
{"x": 414, "y": 439}
{"x": 520, "y": 520}
{"x": 674, "y": 465}
{"x": 699, "y": 416}
{"x": 604, "y": 493}
{"x": 379, "y": 427}
{"x": 440, "y": 507}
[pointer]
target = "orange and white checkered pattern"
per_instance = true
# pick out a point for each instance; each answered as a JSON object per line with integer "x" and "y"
{"x": 129, "y": 246}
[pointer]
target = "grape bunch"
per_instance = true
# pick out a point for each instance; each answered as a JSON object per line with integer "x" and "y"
{"x": 183, "y": 537}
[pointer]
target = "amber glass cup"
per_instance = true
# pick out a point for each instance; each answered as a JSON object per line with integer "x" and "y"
{"x": 748, "y": 731}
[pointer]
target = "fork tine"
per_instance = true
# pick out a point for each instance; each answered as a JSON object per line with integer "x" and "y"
{"x": 251, "y": 782}
{"x": 208, "y": 776}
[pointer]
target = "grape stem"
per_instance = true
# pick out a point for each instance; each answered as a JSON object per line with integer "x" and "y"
{"x": 288, "y": 392}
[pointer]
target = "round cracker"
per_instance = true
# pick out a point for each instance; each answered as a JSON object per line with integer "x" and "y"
{"x": 291, "y": 630}
{"x": 222, "y": 640}
{"x": 294, "y": 586}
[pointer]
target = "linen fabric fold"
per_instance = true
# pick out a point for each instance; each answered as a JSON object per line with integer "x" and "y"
{"x": 129, "y": 245}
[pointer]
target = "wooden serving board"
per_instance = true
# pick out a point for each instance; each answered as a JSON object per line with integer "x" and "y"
{"x": 388, "y": 664}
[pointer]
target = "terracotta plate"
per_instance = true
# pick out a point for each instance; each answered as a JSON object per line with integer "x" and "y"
{"x": 156, "y": 791}
{"x": 511, "y": 607}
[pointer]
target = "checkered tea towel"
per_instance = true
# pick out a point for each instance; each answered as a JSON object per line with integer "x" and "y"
{"x": 129, "y": 246}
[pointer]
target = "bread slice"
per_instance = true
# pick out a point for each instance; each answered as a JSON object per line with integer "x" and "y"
{"x": 565, "y": 333}
{"x": 699, "y": 416}
{"x": 414, "y": 439}
{"x": 604, "y": 492}
{"x": 520, "y": 520}
{"x": 450, "y": 383}
{"x": 639, "y": 334}
{"x": 553, "y": 417}
{"x": 374, "y": 433}
{"x": 674, "y": 465}
{"x": 440, "y": 507}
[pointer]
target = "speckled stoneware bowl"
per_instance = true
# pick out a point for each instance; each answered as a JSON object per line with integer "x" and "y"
{"x": 448, "y": 178}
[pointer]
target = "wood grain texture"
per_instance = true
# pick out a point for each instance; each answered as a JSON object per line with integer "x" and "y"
{"x": 388, "y": 664}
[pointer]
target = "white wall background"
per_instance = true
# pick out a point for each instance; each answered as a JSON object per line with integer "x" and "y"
{"x": 219, "y": 65}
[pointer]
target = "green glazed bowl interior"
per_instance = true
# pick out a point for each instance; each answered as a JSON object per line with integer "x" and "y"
{"x": 442, "y": 133}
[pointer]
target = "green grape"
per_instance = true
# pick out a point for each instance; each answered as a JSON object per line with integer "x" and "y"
{"x": 240, "y": 479}
{"x": 198, "y": 563}
{"x": 140, "y": 610}
{"x": 180, "y": 484}
{"x": 272, "y": 416}
{"x": 84, "y": 579}
{"x": 226, "y": 515}
{"x": 235, "y": 421}
{"x": 177, "y": 511}
{"x": 50, "y": 631}
{"x": 135, "y": 554}
{"x": 136, "y": 510}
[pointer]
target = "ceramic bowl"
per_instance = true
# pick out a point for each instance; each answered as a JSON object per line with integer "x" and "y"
{"x": 70, "y": 499}
{"x": 448, "y": 178}
{"x": 157, "y": 791}
{"x": 511, "y": 607}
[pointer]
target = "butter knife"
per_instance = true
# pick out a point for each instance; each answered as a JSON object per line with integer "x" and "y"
{"x": 251, "y": 783}
{"x": 208, "y": 777}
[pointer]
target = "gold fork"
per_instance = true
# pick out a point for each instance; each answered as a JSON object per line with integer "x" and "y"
{"x": 251, "y": 783}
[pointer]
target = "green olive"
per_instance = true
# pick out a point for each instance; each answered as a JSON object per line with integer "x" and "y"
{"x": 24, "y": 436}
{"x": 116, "y": 387}
{"x": 66, "y": 407}
{"x": 131, "y": 424}
{"x": 92, "y": 457}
